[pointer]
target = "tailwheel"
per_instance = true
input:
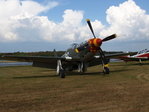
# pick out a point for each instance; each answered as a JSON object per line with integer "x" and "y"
{"x": 106, "y": 70}
{"x": 62, "y": 73}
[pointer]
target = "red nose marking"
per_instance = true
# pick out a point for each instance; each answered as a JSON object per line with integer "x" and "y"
{"x": 97, "y": 42}
{"x": 94, "y": 44}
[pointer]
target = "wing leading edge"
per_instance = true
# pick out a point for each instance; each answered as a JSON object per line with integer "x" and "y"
{"x": 116, "y": 56}
{"x": 51, "y": 62}
{"x": 46, "y": 59}
{"x": 133, "y": 58}
{"x": 97, "y": 59}
{"x": 40, "y": 61}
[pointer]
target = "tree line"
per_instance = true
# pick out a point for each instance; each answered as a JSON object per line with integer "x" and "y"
{"x": 47, "y": 53}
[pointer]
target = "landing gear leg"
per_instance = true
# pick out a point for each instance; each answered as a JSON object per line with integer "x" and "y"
{"x": 60, "y": 70}
{"x": 82, "y": 66}
{"x": 61, "y": 73}
{"x": 105, "y": 70}
{"x": 140, "y": 62}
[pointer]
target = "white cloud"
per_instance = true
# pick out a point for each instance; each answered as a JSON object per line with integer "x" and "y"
{"x": 21, "y": 22}
{"x": 15, "y": 7}
{"x": 38, "y": 28}
{"x": 128, "y": 20}
{"x": 73, "y": 18}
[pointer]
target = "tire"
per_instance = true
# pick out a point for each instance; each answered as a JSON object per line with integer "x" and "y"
{"x": 62, "y": 73}
{"x": 106, "y": 70}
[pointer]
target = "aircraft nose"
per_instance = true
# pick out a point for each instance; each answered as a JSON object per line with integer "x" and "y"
{"x": 94, "y": 44}
{"x": 97, "y": 42}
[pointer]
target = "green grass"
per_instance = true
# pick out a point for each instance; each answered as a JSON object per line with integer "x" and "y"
{"x": 31, "y": 89}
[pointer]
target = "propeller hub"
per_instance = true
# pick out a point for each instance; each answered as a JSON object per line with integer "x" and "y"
{"x": 97, "y": 42}
{"x": 94, "y": 44}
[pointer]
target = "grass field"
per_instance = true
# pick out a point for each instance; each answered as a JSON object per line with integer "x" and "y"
{"x": 32, "y": 89}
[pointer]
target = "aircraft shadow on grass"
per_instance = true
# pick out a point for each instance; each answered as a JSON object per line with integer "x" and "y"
{"x": 74, "y": 74}
{"x": 122, "y": 70}
{"x": 133, "y": 64}
{"x": 70, "y": 74}
{"x": 43, "y": 76}
{"x": 130, "y": 64}
{"x": 139, "y": 64}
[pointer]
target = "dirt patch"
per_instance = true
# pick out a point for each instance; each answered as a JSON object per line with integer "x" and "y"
{"x": 143, "y": 77}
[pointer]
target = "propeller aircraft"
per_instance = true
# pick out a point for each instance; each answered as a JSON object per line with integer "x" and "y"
{"x": 77, "y": 56}
{"x": 142, "y": 55}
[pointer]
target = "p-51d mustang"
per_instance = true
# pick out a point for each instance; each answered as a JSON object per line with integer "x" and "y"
{"x": 142, "y": 55}
{"x": 77, "y": 56}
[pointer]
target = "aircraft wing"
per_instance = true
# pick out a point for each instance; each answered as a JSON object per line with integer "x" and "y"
{"x": 117, "y": 56}
{"x": 97, "y": 59}
{"x": 50, "y": 59}
{"x": 40, "y": 61}
{"x": 133, "y": 58}
{"x": 36, "y": 58}
{"x": 51, "y": 62}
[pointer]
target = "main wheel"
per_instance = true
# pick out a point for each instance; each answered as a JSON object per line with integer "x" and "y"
{"x": 62, "y": 73}
{"x": 106, "y": 70}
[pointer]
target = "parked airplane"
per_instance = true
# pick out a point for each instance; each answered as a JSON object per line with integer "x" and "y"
{"x": 77, "y": 56}
{"x": 142, "y": 55}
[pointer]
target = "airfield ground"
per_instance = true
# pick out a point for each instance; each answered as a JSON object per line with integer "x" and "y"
{"x": 32, "y": 89}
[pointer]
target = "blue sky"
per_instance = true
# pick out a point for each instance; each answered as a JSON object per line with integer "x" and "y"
{"x": 42, "y": 25}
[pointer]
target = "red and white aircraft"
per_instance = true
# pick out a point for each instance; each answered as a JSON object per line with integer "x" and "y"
{"x": 142, "y": 55}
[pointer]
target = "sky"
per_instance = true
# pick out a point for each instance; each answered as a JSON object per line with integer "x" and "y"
{"x": 44, "y": 25}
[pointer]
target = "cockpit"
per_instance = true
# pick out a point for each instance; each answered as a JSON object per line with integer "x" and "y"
{"x": 143, "y": 51}
{"x": 73, "y": 46}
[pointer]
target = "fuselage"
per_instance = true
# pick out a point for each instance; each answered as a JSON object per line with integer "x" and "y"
{"x": 84, "y": 55}
{"x": 146, "y": 54}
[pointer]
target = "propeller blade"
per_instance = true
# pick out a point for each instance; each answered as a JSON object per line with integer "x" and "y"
{"x": 104, "y": 60}
{"x": 90, "y": 26}
{"x": 109, "y": 37}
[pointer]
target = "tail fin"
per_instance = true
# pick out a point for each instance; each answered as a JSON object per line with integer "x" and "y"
{"x": 55, "y": 53}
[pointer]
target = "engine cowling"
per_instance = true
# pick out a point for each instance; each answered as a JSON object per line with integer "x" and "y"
{"x": 94, "y": 44}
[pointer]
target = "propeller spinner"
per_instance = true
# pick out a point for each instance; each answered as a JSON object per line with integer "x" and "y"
{"x": 94, "y": 46}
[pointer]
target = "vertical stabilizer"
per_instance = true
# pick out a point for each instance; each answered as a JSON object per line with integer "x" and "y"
{"x": 55, "y": 53}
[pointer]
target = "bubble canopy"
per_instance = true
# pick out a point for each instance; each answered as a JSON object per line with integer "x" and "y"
{"x": 73, "y": 46}
{"x": 143, "y": 51}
